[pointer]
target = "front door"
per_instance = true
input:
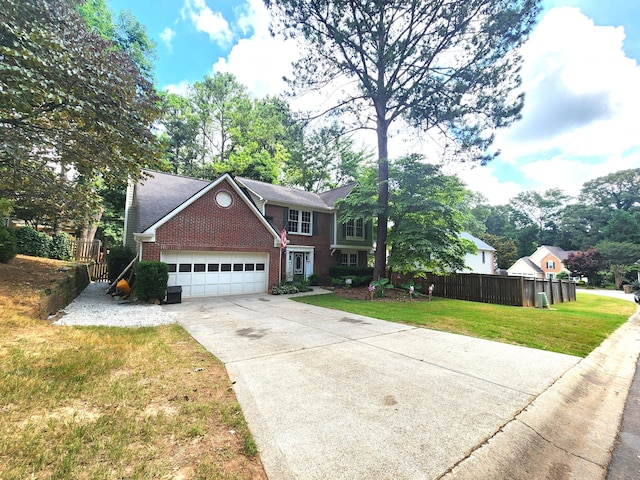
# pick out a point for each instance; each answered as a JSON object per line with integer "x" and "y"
{"x": 298, "y": 266}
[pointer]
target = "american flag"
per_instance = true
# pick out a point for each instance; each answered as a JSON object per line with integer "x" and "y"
{"x": 283, "y": 238}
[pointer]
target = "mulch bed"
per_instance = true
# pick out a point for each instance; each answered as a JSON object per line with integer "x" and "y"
{"x": 390, "y": 295}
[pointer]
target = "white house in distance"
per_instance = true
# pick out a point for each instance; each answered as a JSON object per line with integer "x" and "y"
{"x": 483, "y": 260}
{"x": 546, "y": 262}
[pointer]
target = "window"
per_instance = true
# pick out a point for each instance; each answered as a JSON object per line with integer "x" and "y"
{"x": 350, "y": 259}
{"x": 184, "y": 267}
{"x": 238, "y": 267}
{"x": 213, "y": 267}
{"x": 551, "y": 264}
{"x": 173, "y": 268}
{"x": 299, "y": 222}
{"x": 225, "y": 267}
{"x": 198, "y": 267}
{"x": 260, "y": 266}
{"x": 355, "y": 229}
{"x": 249, "y": 267}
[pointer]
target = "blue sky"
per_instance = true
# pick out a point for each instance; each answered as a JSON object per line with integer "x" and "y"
{"x": 580, "y": 76}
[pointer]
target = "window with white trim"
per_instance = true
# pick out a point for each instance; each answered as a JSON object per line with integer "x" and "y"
{"x": 299, "y": 222}
{"x": 551, "y": 264}
{"x": 355, "y": 229}
{"x": 350, "y": 259}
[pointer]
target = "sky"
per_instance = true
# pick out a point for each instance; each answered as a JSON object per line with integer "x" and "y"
{"x": 581, "y": 80}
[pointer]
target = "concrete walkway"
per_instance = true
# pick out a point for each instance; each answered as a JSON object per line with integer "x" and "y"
{"x": 332, "y": 395}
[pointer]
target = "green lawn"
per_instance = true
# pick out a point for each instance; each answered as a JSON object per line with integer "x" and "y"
{"x": 574, "y": 328}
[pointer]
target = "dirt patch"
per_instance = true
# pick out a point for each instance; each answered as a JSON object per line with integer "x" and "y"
{"x": 390, "y": 295}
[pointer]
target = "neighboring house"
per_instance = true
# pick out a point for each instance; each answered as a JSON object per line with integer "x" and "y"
{"x": 224, "y": 236}
{"x": 483, "y": 260}
{"x": 545, "y": 262}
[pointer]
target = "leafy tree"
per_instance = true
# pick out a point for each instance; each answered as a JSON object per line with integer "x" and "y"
{"x": 585, "y": 264}
{"x": 623, "y": 226}
{"x": 72, "y": 109}
{"x": 323, "y": 159}
{"x": 427, "y": 211}
{"x": 619, "y": 257}
{"x": 129, "y": 35}
{"x": 617, "y": 191}
{"x": 581, "y": 226}
{"x": 542, "y": 210}
{"x": 446, "y": 67}
{"x": 506, "y": 251}
{"x": 218, "y": 128}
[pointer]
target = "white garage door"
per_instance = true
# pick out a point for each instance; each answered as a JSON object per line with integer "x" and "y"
{"x": 217, "y": 273}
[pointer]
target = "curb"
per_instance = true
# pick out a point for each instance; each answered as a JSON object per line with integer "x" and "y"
{"x": 569, "y": 431}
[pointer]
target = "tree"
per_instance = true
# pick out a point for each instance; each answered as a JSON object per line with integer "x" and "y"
{"x": 620, "y": 257}
{"x": 506, "y": 252}
{"x": 323, "y": 159}
{"x": 129, "y": 35}
{"x": 72, "y": 107}
{"x": 623, "y": 227}
{"x": 427, "y": 212}
{"x": 585, "y": 264}
{"x": 542, "y": 210}
{"x": 617, "y": 191}
{"x": 440, "y": 66}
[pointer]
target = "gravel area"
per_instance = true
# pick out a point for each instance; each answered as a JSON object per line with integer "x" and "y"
{"x": 94, "y": 307}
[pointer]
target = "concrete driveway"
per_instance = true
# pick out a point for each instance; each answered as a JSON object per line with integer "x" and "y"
{"x": 331, "y": 395}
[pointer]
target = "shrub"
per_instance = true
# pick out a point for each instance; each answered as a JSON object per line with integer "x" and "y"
{"x": 314, "y": 279}
{"x": 151, "y": 280}
{"x": 284, "y": 288}
{"x": 7, "y": 244}
{"x": 31, "y": 242}
{"x": 60, "y": 247}
{"x": 117, "y": 260}
{"x": 343, "y": 271}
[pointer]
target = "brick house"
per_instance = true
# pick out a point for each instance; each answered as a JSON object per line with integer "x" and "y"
{"x": 224, "y": 236}
{"x": 546, "y": 262}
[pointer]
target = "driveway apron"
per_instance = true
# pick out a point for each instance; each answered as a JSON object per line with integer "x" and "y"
{"x": 333, "y": 395}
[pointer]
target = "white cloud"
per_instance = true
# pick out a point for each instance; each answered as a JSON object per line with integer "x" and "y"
{"x": 261, "y": 60}
{"x": 179, "y": 88}
{"x": 206, "y": 20}
{"x": 581, "y": 90}
{"x": 167, "y": 36}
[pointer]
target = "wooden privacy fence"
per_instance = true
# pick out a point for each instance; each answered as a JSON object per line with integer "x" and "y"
{"x": 498, "y": 289}
{"x": 85, "y": 251}
{"x": 98, "y": 272}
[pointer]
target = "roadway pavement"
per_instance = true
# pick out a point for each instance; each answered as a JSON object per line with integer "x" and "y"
{"x": 328, "y": 394}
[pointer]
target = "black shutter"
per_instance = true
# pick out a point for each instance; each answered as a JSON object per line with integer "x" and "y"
{"x": 314, "y": 226}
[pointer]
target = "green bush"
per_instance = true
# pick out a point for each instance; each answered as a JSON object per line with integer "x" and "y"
{"x": 338, "y": 271}
{"x": 284, "y": 288}
{"x": 151, "y": 280}
{"x": 60, "y": 247}
{"x": 117, "y": 260}
{"x": 314, "y": 279}
{"x": 31, "y": 242}
{"x": 7, "y": 244}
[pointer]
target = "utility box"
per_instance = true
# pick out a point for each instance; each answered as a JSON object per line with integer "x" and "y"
{"x": 543, "y": 301}
{"x": 174, "y": 294}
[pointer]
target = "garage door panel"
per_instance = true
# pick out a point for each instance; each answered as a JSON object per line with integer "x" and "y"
{"x": 217, "y": 273}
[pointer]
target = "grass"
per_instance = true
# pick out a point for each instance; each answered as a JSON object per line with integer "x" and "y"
{"x": 101, "y": 403}
{"x": 574, "y": 328}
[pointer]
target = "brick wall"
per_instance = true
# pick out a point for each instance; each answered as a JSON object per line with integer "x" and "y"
{"x": 205, "y": 226}
{"x": 321, "y": 239}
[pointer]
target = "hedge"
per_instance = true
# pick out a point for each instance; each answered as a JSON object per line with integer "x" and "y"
{"x": 151, "y": 280}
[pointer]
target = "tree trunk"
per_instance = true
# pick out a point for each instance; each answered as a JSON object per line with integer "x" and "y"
{"x": 380, "y": 266}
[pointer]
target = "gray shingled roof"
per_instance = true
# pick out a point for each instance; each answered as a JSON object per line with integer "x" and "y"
{"x": 293, "y": 196}
{"x": 330, "y": 197}
{"x": 479, "y": 243}
{"x": 558, "y": 252}
{"x": 535, "y": 267}
{"x": 161, "y": 193}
